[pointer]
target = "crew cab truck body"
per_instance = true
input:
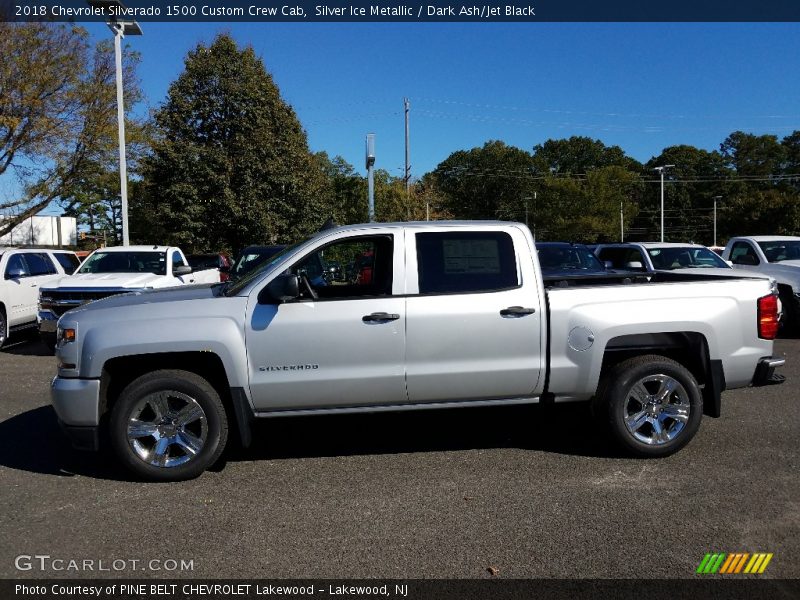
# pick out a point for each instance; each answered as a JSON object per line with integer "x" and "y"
{"x": 774, "y": 256}
{"x": 116, "y": 270}
{"x": 454, "y": 314}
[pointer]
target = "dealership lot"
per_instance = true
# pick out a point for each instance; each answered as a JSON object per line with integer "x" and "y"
{"x": 525, "y": 492}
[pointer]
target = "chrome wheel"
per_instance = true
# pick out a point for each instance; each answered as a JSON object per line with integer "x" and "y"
{"x": 656, "y": 409}
{"x": 167, "y": 429}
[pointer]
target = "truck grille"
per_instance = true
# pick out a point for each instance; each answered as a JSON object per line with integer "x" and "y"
{"x": 60, "y": 301}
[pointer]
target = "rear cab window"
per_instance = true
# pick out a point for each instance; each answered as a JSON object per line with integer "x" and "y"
{"x": 69, "y": 262}
{"x": 465, "y": 262}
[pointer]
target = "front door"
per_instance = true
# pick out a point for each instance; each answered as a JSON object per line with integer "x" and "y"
{"x": 342, "y": 342}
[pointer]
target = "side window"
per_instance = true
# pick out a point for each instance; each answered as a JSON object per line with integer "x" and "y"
{"x": 464, "y": 262}
{"x": 742, "y": 253}
{"x": 15, "y": 265}
{"x": 349, "y": 268}
{"x": 39, "y": 264}
{"x": 69, "y": 262}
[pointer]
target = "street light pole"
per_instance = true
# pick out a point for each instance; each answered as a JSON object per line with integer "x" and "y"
{"x": 123, "y": 165}
{"x": 661, "y": 170}
{"x": 120, "y": 29}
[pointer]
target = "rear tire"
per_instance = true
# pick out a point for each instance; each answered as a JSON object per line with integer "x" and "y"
{"x": 168, "y": 425}
{"x": 652, "y": 405}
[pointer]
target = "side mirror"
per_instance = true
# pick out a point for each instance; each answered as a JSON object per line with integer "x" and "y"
{"x": 633, "y": 264}
{"x": 181, "y": 270}
{"x": 608, "y": 264}
{"x": 281, "y": 289}
{"x": 15, "y": 273}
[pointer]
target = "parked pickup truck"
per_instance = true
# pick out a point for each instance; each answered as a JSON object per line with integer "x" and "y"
{"x": 452, "y": 314}
{"x": 117, "y": 270}
{"x": 774, "y": 256}
{"x": 662, "y": 256}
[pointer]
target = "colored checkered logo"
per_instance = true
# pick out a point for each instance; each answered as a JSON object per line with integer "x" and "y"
{"x": 740, "y": 562}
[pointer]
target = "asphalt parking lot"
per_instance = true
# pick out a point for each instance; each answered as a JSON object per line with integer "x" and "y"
{"x": 425, "y": 495}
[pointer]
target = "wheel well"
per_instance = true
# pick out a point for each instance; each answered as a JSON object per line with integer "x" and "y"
{"x": 688, "y": 348}
{"x": 119, "y": 372}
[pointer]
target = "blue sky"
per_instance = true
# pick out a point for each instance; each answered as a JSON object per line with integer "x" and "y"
{"x": 640, "y": 86}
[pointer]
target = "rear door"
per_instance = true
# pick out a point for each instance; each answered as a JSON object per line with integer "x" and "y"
{"x": 474, "y": 326}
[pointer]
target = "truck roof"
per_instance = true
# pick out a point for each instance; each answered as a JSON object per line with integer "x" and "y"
{"x": 767, "y": 238}
{"x": 142, "y": 248}
{"x": 421, "y": 224}
{"x": 656, "y": 244}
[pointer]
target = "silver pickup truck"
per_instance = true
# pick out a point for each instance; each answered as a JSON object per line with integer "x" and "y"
{"x": 405, "y": 316}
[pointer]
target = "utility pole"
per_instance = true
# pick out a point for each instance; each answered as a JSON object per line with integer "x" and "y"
{"x": 407, "y": 108}
{"x": 715, "y": 217}
{"x": 661, "y": 170}
{"x": 371, "y": 176}
{"x": 621, "y": 224}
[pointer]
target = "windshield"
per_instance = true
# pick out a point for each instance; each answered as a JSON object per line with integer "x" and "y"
{"x": 252, "y": 257}
{"x": 126, "y": 262}
{"x": 568, "y": 258}
{"x": 780, "y": 250}
{"x": 668, "y": 259}
{"x": 238, "y": 285}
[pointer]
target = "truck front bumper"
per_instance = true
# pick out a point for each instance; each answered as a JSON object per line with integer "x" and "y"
{"x": 77, "y": 404}
{"x": 765, "y": 371}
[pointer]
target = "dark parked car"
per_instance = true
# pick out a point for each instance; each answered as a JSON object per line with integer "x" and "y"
{"x": 201, "y": 262}
{"x": 563, "y": 259}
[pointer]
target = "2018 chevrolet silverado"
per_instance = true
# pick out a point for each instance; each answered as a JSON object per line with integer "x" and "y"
{"x": 422, "y": 315}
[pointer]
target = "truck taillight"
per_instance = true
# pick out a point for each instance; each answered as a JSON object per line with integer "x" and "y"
{"x": 768, "y": 317}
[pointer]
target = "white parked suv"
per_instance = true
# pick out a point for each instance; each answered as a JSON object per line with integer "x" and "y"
{"x": 23, "y": 273}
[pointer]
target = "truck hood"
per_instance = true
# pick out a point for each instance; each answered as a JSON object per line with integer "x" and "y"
{"x": 109, "y": 280}
{"x": 150, "y": 297}
{"x": 786, "y": 271}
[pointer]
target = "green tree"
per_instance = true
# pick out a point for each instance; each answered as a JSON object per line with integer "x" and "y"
{"x": 344, "y": 192}
{"x": 577, "y": 156}
{"x": 490, "y": 182}
{"x": 231, "y": 165}
{"x": 57, "y": 114}
{"x": 691, "y": 185}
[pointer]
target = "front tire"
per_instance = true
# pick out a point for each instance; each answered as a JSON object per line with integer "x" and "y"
{"x": 3, "y": 327}
{"x": 653, "y": 405}
{"x": 168, "y": 425}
